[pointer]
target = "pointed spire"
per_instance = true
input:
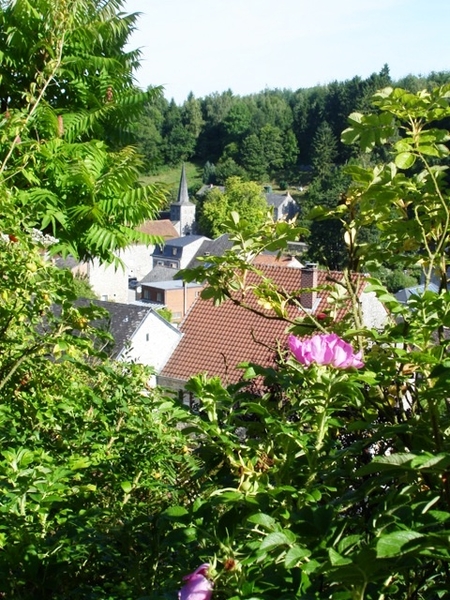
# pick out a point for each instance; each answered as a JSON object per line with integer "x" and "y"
{"x": 183, "y": 195}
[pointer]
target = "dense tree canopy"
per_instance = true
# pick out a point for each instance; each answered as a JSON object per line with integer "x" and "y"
{"x": 243, "y": 197}
{"x": 226, "y": 127}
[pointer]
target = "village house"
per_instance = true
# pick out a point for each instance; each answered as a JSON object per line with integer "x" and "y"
{"x": 175, "y": 295}
{"x": 177, "y": 253}
{"x": 140, "y": 334}
{"x": 284, "y": 207}
{"x": 216, "y": 339}
{"x": 110, "y": 283}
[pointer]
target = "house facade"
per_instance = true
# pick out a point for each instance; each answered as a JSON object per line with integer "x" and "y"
{"x": 175, "y": 294}
{"x": 177, "y": 253}
{"x": 284, "y": 207}
{"x": 110, "y": 283}
{"x": 140, "y": 335}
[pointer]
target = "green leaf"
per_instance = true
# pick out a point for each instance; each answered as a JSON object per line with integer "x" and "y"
{"x": 336, "y": 559}
{"x": 264, "y": 520}
{"x": 278, "y": 538}
{"x": 126, "y": 486}
{"x": 174, "y": 512}
{"x": 392, "y": 544}
{"x": 295, "y": 555}
{"x": 405, "y": 160}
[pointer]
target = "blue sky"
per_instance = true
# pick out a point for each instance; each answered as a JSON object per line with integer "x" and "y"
{"x": 207, "y": 46}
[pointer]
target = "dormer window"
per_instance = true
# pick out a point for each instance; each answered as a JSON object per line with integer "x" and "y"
{"x": 174, "y": 251}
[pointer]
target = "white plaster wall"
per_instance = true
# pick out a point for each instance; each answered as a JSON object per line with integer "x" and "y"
{"x": 138, "y": 260}
{"x": 190, "y": 250}
{"x": 108, "y": 282}
{"x": 152, "y": 344}
{"x": 373, "y": 311}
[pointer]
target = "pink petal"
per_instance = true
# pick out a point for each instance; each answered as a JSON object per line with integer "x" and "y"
{"x": 297, "y": 347}
{"x": 197, "y": 587}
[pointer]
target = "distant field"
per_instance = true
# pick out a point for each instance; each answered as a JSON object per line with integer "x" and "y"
{"x": 171, "y": 176}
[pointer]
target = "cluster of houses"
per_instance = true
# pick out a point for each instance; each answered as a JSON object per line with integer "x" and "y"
{"x": 202, "y": 337}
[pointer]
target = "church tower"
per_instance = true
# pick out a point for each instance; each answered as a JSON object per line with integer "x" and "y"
{"x": 182, "y": 212}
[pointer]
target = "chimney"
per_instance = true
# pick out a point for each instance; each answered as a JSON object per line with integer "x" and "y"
{"x": 308, "y": 281}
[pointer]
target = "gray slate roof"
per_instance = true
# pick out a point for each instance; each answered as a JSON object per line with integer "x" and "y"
{"x": 207, "y": 188}
{"x": 183, "y": 241}
{"x": 179, "y": 243}
{"x": 159, "y": 274}
{"x": 173, "y": 284}
{"x": 122, "y": 323}
{"x": 276, "y": 199}
{"x": 216, "y": 247}
{"x": 417, "y": 290}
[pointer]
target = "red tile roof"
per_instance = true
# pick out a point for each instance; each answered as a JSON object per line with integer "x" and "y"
{"x": 217, "y": 338}
{"x": 162, "y": 228}
{"x": 272, "y": 259}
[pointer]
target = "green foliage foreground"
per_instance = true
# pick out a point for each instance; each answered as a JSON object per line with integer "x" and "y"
{"x": 300, "y": 482}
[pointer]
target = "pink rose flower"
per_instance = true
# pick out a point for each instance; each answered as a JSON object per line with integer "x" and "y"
{"x": 325, "y": 349}
{"x": 198, "y": 586}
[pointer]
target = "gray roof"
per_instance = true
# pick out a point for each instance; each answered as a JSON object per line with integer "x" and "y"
{"x": 216, "y": 247}
{"x": 173, "y": 284}
{"x": 148, "y": 304}
{"x": 208, "y": 187}
{"x": 159, "y": 274}
{"x": 183, "y": 241}
{"x": 124, "y": 320}
{"x": 417, "y": 290}
{"x": 179, "y": 243}
{"x": 278, "y": 199}
{"x": 183, "y": 194}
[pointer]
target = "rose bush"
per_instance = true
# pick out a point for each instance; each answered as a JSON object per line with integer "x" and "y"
{"x": 327, "y": 479}
{"x": 325, "y": 349}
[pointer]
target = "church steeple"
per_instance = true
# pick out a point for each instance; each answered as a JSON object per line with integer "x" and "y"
{"x": 182, "y": 212}
{"x": 183, "y": 194}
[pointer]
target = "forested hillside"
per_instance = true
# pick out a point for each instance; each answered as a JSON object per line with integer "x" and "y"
{"x": 288, "y": 139}
{"x": 274, "y": 135}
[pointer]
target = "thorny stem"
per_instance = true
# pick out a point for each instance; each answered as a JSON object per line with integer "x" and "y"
{"x": 57, "y": 64}
{"x": 434, "y": 418}
{"x": 355, "y": 303}
{"x": 445, "y": 225}
{"x": 18, "y": 362}
{"x": 359, "y": 592}
{"x": 321, "y": 432}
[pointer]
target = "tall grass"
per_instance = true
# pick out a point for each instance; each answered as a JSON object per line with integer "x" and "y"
{"x": 170, "y": 176}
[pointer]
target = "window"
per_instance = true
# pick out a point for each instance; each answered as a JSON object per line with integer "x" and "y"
{"x": 174, "y": 251}
{"x": 147, "y": 337}
{"x": 159, "y": 297}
